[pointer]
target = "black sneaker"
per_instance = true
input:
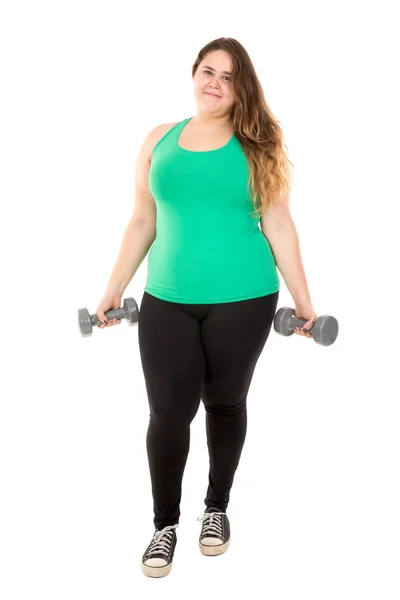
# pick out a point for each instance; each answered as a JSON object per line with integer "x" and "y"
{"x": 215, "y": 535}
{"x": 157, "y": 560}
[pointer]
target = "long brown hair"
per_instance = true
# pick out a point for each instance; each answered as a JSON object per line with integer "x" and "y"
{"x": 256, "y": 128}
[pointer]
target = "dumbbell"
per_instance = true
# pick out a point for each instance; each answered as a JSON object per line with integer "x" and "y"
{"x": 129, "y": 311}
{"x": 324, "y": 331}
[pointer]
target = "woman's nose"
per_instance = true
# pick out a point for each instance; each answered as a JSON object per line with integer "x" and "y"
{"x": 214, "y": 81}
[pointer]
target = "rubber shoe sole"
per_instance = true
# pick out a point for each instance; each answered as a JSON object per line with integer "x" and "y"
{"x": 156, "y": 571}
{"x": 214, "y": 550}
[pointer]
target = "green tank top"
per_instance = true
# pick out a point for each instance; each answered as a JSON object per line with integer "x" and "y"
{"x": 208, "y": 247}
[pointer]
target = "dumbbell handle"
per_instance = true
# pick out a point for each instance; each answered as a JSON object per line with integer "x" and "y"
{"x": 116, "y": 313}
{"x": 294, "y": 322}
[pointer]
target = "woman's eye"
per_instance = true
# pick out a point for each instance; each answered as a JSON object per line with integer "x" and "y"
{"x": 227, "y": 76}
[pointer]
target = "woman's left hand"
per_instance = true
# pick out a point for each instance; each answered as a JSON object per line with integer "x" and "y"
{"x": 308, "y": 314}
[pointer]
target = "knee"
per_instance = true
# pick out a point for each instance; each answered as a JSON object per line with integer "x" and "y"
{"x": 170, "y": 416}
{"x": 221, "y": 409}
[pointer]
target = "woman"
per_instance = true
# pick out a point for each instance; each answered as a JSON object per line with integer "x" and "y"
{"x": 203, "y": 185}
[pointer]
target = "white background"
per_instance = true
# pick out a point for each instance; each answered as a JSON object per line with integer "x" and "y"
{"x": 314, "y": 506}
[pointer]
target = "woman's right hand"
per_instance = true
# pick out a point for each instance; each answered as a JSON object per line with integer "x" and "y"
{"x": 108, "y": 302}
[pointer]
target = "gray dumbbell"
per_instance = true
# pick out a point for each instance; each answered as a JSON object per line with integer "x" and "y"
{"x": 129, "y": 311}
{"x": 324, "y": 331}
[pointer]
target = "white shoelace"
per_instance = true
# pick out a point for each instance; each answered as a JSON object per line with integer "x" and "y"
{"x": 162, "y": 539}
{"x": 214, "y": 525}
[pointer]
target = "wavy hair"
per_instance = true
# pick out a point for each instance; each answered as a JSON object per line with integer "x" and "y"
{"x": 256, "y": 128}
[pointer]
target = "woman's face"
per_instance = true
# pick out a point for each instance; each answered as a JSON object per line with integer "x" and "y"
{"x": 213, "y": 77}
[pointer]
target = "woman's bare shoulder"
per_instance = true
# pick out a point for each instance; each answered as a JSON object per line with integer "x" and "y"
{"x": 157, "y": 133}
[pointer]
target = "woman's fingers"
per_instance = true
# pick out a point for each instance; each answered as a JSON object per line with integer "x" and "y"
{"x": 115, "y": 322}
{"x": 300, "y": 330}
{"x": 306, "y": 328}
{"x": 110, "y": 323}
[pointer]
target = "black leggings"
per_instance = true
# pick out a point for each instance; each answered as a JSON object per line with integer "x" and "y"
{"x": 193, "y": 352}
